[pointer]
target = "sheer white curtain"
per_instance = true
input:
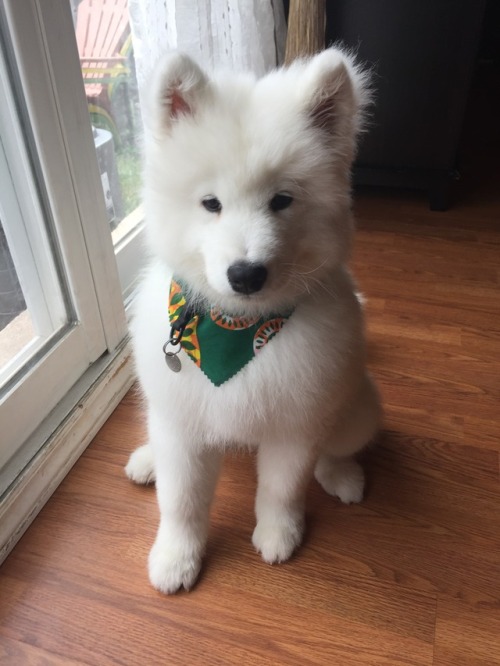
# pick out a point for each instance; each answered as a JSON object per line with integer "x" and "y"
{"x": 237, "y": 34}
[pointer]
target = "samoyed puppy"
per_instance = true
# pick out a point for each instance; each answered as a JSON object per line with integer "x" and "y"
{"x": 247, "y": 328}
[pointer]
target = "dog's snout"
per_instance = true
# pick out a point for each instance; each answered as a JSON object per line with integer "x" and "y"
{"x": 245, "y": 277}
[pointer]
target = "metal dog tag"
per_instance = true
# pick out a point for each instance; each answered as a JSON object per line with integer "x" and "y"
{"x": 173, "y": 361}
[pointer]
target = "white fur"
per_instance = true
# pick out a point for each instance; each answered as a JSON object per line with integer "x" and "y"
{"x": 306, "y": 400}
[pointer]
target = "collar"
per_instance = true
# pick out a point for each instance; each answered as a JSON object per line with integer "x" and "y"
{"x": 219, "y": 344}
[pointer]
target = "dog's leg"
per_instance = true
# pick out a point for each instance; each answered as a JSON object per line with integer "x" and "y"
{"x": 140, "y": 467}
{"x": 337, "y": 470}
{"x": 284, "y": 470}
{"x": 185, "y": 483}
{"x": 342, "y": 477}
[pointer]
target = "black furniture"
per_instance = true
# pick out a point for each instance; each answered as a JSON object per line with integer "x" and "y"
{"x": 422, "y": 53}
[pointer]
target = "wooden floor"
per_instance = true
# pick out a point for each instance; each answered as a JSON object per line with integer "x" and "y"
{"x": 410, "y": 576}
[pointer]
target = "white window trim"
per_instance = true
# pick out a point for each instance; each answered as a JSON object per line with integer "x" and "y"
{"x": 20, "y": 207}
{"x": 68, "y": 431}
{"x": 130, "y": 252}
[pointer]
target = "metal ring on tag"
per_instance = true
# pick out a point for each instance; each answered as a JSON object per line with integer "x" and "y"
{"x": 171, "y": 358}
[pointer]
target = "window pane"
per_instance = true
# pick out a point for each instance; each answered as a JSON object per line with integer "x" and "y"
{"x": 16, "y": 327}
{"x": 12, "y": 301}
{"x": 108, "y": 68}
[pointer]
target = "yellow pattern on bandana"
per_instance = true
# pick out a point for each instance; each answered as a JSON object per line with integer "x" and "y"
{"x": 189, "y": 342}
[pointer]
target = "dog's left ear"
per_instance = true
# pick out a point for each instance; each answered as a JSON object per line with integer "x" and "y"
{"x": 335, "y": 91}
{"x": 177, "y": 89}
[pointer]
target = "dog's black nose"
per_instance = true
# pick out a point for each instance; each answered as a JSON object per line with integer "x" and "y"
{"x": 245, "y": 277}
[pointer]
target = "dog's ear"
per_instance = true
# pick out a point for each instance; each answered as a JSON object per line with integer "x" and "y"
{"x": 178, "y": 88}
{"x": 336, "y": 92}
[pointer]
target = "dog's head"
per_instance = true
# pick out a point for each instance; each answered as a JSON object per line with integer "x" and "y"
{"x": 247, "y": 182}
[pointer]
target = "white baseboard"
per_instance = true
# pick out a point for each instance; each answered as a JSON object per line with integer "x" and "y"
{"x": 78, "y": 419}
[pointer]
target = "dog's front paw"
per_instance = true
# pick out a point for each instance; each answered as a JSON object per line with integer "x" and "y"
{"x": 276, "y": 542}
{"x": 140, "y": 467}
{"x": 170, "y": 569}
{"x": 343, "y": 478}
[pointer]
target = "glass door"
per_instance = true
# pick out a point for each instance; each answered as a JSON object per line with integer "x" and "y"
{"x": 61, "y": 306}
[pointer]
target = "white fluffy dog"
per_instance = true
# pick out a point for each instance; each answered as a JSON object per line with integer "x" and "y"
{"x": 247, "y": 194}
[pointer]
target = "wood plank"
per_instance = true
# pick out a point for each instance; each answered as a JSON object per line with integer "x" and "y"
{"x": 467, "y": 635}
{"x": 15, "y": 653}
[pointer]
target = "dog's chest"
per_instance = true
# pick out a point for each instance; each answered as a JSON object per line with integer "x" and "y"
{"x": 259, "y": 399}
{"x": 289, "y": 386}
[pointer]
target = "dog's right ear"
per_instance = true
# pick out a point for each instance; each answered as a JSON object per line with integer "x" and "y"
{"x": 178, "y": 87}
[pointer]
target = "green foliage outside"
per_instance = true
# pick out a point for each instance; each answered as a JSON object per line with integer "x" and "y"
{"x": 128, "y": 163}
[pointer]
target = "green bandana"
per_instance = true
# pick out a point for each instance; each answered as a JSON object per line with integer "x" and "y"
{"x": 219, "y": 344}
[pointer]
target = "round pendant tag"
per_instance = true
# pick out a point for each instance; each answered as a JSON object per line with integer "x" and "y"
{"x": 173, "y": 361}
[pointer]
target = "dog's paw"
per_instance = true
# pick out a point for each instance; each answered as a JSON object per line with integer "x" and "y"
{"x": 170, "y": 570}
{"x": 342, "y": 477}
{"x": 276, "y": 542}
{"x": 140, "y": 467}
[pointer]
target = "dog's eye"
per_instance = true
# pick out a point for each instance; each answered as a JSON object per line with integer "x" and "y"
{"x": 212, "y": 204}
{"x": 280, "y": 201}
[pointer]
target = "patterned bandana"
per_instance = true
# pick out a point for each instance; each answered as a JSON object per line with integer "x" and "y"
{"x": 221, "y": 345}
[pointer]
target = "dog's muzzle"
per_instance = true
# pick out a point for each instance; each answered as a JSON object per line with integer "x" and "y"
{"x": 246, "y": 277}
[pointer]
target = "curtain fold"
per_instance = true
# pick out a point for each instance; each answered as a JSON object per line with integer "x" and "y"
{"x": 235, "y": 34}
